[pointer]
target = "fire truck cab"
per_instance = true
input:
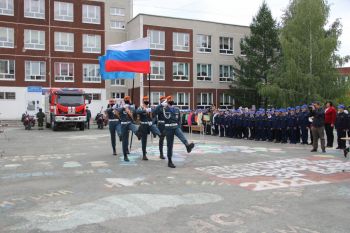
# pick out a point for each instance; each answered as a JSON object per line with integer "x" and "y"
{"x": 65, "y": 107}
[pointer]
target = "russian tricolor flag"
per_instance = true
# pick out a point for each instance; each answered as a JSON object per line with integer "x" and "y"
{"x": 130, "y": 56}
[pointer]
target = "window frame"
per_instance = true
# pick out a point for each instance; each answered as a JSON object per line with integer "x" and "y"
{"x": 34, "y": 46}
{"x": 64, "y": 76}
{"x": 159, "y": 74}
{"x": 117, "y": 12}
{"x": 118, "y": 22}
{"x": 10, "y": 32}
{"x": 209, "y": 103}
{"x": 186, "y": 97}
{"x": 8, "y": 11}
{"x": 181, "y": 47}
{"x": 230, "y": 50}
{"x": 115, "y": 94}
{"x": 183, "y": 78}
{"x": 87, "y": 39}
{"x": 97, "y": 14}
{"x": 209, "y": 71}
{"x": 225, "y": 79}
{"x": 43, "y": 76}
{"x": 222, "y": 100}
{"x": 59, "y": 39}
{"x": 201, "y": 49}
{"x": 161, "y": 39}
{"x": 91, "y": 79}
{"x": 4, "y": 95}
{"x": 32, "y": 14}
{"x": 120, "y": 83}
{"x": 8, "y": 67}
{"x": 155, "y": 95}
{"x": 60, "y": 16}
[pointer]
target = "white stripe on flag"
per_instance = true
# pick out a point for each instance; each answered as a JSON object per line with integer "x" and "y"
{"x": 138, "y": 44}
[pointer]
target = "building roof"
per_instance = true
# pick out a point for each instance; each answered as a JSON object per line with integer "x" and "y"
{"x": 344, "y": 70}
{"x": 170, "y": 17}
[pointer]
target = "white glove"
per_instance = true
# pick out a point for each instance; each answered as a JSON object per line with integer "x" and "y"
{"x": 148, "y": 110}
{"x": 164, "y": 103}
{"x": 126, "y": 105}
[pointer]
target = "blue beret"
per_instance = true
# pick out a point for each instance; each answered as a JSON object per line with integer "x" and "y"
{"x": 292, "y": 109}
{"x": 341, "y": 106}
{"x": 297, "y": 107}
{"x": 304, "y": 106}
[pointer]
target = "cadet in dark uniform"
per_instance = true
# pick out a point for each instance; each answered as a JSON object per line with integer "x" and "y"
{"x": 158, "y": 114}
{"x": 40, "y": 116}
{"x": 304, "y": 124}
{"x": 113, "y": 123}
{"x": 252, "y": 125}
{"x": 172, "y": 128}
{"x": 268, "y": 126}
{"x": 283, "y": 126}
{"x": 341, "y": 125}
{"x": 292, "y": 126}
{"x": 127, "y": 123}
{"x": 277, "y": 126}
{"x": 297, "y": 114}
{"x": 222, "y": 123}
{"x": 146, "y": 125}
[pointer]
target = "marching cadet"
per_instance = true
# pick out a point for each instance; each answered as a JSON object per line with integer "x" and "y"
{"x": 127, "y": 123}
{"x": 341, "y": 125}
{"x": 172, "y": 128}
{"x": 158, "y": 114}
{"x": 304, "y": 124}
{"x": 113, "y": 123}
{"x": 146, "y": 125}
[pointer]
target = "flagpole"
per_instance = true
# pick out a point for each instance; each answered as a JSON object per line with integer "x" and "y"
{"x": 149, "y": 85}
{"x": 132, "y": 98}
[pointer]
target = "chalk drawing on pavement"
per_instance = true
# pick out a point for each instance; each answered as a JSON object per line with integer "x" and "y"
{"x": 60, "y": 216}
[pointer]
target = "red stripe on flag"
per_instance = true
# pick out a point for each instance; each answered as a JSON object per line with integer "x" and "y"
{"x": 137, "y": 67}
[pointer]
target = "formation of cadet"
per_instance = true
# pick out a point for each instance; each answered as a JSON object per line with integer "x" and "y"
{"x": 162, "y": 121}
{"x": 274, "y": 125}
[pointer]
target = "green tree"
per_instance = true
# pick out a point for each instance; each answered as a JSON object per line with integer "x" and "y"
{"x": 261, "y": 50}
{"x": 307, "y": 69}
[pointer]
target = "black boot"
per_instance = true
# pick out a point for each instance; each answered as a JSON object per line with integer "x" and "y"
{"x": 114, "y": 152}
{"x": 189, "y": 147}
{"x": 346, "y": 151}
{"x": 161, "y": 156}
{"x": 144, "y": 157}
{"x": 170, "y": 164}
{"x": 126, "y": 159}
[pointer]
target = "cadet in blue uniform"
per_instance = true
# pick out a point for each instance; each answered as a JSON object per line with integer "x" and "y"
{"x": 283, "y": 126}
{"x": 158, "y": 114}
{"x": 222, "y": 124}
{"x": 172, "y": 127}
{"x": 251, "y": 125}
{"x": 127, "y": 123}
{"x": 146, "y": 125}
{"x": 113, "y": 123}
{"x": 292, "y": 126}
{"x": 304, "y": 124}
{"x": 277, "y": 126}
{"x": 268, "y": 126}
{"x": 245, "y": 125}
{"x": 341, "y": 125}
{"x": 297, "y": 114}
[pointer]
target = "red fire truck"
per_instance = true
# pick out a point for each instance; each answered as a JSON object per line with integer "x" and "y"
{"x": 65, "y": 107}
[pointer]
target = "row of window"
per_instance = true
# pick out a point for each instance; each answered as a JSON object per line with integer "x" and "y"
{"x": 181, "y": 42}
{"x": 64, "y": 41}
{"x": 63, "y": 72}
{"x": 181, "y": 72}
{"x": 63, "y": 11}
{"x": 7, "y": 95}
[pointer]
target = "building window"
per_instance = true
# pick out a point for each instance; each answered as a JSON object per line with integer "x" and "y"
{"x": 6, "y": 37}
{"x": 181, "y": 41}
{"x": 226, "y": 73}
{"x": 118, "y": 82}
{"x": 35, "y": 71}
{"x": 155, "y": 96}
{"x": 180, "y": 71}
{"x": 182, "y": 100}
{"x": 91, "y": 43}
{"x": 91, "y": 14}
{"x": 91, "y": 73}
{"x": 118, "y": 95}
{"x": 243, "y": 53}
{"x": 204, "y": 43}
{"x": 115, "y": 24}
{"x": 157, "y": 70}
{"x": 64, "y": 11}
{"x": 157, "y": 39}
{"x": 116, "y": 11}
{"x": 6, "y": 7}
{"x": 7, "y": 95}
{"x": 64, "y": 72}
{"x": 226, "y": 45}
{"x": 34, "y": 39}
{"x": 204, "y": 72}
{"x": 64, "y": 41}
{"x": 94, "y": 96}
{"x": 225, "y": 101}
{"x": 7, "y": 70}
{"x": 34, "y": 9}
{"x": 204, "y": 100}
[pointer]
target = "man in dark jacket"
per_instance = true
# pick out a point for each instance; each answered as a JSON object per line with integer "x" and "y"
{"x": 317, "y": 127}
{"x": 88, "y": 117}
{"x": 40, "y": 116}
{"x": 341, "y": 124}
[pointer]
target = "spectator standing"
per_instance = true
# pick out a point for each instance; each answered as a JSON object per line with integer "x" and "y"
{"x": 330, "y": 117}
{"x": 317, "y": 127}
{"x": 341, "y": 124}
{"x": 88, "y": 117}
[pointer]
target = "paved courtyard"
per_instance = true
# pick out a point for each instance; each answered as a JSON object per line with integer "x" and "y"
{"x": 68, "y": 181}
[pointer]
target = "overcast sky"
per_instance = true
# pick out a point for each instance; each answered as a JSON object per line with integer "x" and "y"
{"x": 238, "y": 12}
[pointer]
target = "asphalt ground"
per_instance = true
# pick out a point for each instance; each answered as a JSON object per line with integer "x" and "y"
{"x": 69, "y": 181}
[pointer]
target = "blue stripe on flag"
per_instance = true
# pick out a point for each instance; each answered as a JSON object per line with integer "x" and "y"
{"x": 113, "y": 75}
{"x": 128, "y": 56}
